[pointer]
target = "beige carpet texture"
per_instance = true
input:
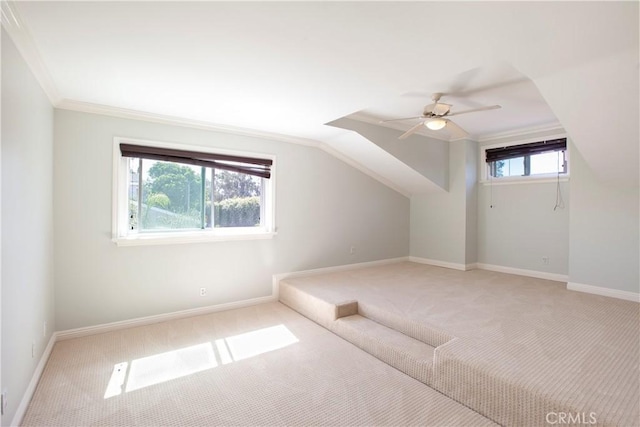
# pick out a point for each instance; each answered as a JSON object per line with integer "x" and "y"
{"x": 518, "y": 350}
{"x": 264, "y": 365}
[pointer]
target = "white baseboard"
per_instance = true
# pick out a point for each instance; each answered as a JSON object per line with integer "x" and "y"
{"x": 141, "y": 321}
{"x": 445, "y": 264}
{"x": 472, "y": 266}
{"x": 98, "y": 329}
{"x": 522, "y": 272}
{"x": 35, "y": 378}
{"x": 326, "y": 270}
{"x": 607, "y": 292}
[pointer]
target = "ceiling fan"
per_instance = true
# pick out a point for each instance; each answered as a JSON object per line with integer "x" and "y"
{"x": 436, "y": 116}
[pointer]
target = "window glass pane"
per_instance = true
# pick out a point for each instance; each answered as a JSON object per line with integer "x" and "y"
{"x": 171, "y": 196}
{"x": 514, "y": 167}
{"x": 208, "y": 197}
{"x": 551, "y": 162}
{"x": 132, "y": 192}
{"x": 508, "y": 167}
{"x": 236, "y": 199}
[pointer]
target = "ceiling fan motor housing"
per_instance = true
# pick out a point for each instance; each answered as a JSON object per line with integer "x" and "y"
{"x": 436, "y": 110}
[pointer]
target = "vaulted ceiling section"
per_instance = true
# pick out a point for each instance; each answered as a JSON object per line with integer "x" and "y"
{"x": 286, "y": 70}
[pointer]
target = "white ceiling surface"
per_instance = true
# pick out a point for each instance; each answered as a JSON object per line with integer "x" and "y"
{"x": 496, "y": 84}
{"x": 289, "y": 68}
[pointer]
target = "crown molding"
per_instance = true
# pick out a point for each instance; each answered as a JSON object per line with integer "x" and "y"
{"x": 86, "y": 107}
{"x": 22, "y": 38}
{"x": 124, "y": 113}
{"x": 555, "y": 127}
{"x": 19, "y": 33}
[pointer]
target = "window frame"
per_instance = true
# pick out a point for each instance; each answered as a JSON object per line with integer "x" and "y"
{"x": 485, "y": 168}
{"x": 120, "y": 202}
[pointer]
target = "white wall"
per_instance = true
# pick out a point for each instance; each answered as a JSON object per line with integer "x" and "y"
{"x": 27, "y": 224}
{"x": 522, "y": 227}
{"x": 323, "y": 206}
{"x": 460, "y": 227}
{"x": 439, "y": 220}
{"x": 604, "y": 239}
{"x": 471, "y": 194}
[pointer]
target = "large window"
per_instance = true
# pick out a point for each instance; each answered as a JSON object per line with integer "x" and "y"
{"x": 166, "y": 192}
{"x": 540, "y": 158}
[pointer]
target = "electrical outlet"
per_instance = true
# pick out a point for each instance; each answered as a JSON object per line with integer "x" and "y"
{"x": 3, "y": 402}
{"x": 203, "y": 292}
{"x": 545, "y": 260}
{"x": 352, "y": 250}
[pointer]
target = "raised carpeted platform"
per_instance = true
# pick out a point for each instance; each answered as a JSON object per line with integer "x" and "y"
{"x": 263, "y": 365}
{"x": 518, "y": 350}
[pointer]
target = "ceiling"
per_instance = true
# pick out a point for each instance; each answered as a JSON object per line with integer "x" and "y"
{"x": 522, "y": 106}
{"x": 288, "y": 68}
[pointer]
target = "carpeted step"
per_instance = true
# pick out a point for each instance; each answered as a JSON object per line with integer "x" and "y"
{"x": 407, "y": 347}
{"x": 317, "y": 309}
{"x": 408, "y": 355}
{"x": 513, "y": 349}
{"x": 419, "y": 331}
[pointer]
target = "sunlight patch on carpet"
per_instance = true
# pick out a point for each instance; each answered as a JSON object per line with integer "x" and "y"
{"x": 252, "y": 344}
{"x": 171, "y": 365}
{"x": 168, "y": 366}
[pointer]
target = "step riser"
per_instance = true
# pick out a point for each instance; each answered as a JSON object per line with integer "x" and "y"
{"x": 330, "y": 316}
{"x": 348, "y": 308}
{"x": 420, "y": 370}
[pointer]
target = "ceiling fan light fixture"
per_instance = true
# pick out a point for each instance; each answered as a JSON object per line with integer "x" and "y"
{"x": 436, "y": 124}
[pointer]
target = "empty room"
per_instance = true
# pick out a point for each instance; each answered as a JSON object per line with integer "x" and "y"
{"x": 320, "y": 213}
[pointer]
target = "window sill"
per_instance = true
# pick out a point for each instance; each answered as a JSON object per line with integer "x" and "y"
{"x": 174, "y": 238}
{"x": 525, "y": 180}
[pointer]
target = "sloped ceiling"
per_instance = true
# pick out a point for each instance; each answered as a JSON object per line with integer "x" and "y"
{"x": 290, "y": 68}
{"x": 429, "y": 158}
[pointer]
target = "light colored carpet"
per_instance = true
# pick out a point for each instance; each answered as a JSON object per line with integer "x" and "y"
{"x": 263, "y": 365}
{"x": 512, "y": 348}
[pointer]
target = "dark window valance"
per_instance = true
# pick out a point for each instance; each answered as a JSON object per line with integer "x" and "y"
{"x": 248, "y": 165}
{"x": 514, "y": 151}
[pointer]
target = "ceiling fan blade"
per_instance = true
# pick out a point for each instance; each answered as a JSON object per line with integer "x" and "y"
{"x": 455, "y": 130}
{"x": 404, "y": 118}
{"x": 463, "y": 81}
{"x": 490, "y": 107}
{"x": 411, "y": 131}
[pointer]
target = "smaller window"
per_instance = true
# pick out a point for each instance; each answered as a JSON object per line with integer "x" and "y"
{"x": 524, "y": 160}
{"x": 165, "y": 192}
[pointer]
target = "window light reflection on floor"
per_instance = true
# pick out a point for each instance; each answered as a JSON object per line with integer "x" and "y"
{"x": 117, "y": 380}
{"x": 223, "y": 351}
{"x": 170, "y": 365}
{"x": 251, "y": 344}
